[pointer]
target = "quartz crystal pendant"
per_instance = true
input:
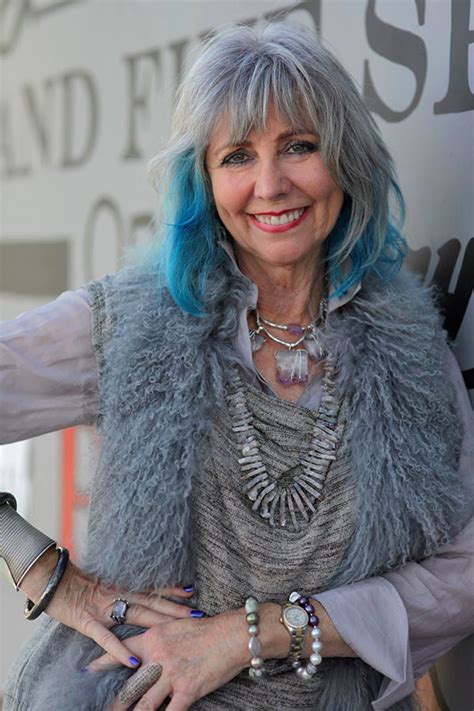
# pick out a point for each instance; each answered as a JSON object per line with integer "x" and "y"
{"x": 314, "y": 348}
{"x": 257, "y": 341}
{"x": 292, "y": 366}
{"x": 295, "y": 329}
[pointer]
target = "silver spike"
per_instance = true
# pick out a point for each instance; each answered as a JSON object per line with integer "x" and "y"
{"x": 273, "y": 510}
{"x": 304, "y": 485}
{"x": 245, "y": 476}
{"x": 262, "y": 495}
{"x": 305, "y": 498}
{"x": 297, "y": 499}
{"x": 283, "y": 508}
{"x": 250, "y": 484}
{"x": 252, "y": 465}
{"x": 250, "y": 458}
{"x": 253, "y": 493}
{"x": 291, "y": 508}
{"x": 268, "y": 498}
{"x": 311, "y": 480}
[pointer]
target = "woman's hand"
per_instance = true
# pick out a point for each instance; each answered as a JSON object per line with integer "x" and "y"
{"x": 85, "y": 605}
{"x": 196, "y": 657}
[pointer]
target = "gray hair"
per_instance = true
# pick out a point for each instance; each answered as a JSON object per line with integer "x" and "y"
{"x": 241, "y": 69}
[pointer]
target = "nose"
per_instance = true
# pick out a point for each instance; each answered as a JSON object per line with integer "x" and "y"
{"x": 271, "y": 182}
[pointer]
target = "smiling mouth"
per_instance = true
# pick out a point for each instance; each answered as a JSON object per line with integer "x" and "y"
{"x": 282, "y": 218}
{"x": 279, "y": 222}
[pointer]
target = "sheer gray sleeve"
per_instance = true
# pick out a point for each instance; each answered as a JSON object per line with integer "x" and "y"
{"x": 48, "y": 369}
{"x": 400, "y": 623}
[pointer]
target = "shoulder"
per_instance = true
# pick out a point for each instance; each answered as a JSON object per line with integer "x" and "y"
{"x": 403, "y": 300}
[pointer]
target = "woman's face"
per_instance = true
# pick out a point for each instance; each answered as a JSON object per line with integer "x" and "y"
{"x": 273, "y": 193}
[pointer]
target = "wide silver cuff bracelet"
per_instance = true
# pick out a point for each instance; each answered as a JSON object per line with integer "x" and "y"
{"x": 21, "y": 544}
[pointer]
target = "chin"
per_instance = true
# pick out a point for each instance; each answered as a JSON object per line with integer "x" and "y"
{"x": 286, "y": 257}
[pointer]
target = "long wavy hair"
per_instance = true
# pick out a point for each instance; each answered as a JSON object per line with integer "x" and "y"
{"x": 239, "y": 71}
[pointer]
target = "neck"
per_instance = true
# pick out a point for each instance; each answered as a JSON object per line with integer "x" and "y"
{"x": 286, "y": 294}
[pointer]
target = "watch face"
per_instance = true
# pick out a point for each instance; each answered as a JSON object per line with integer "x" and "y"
{"x": 295, "y": 616}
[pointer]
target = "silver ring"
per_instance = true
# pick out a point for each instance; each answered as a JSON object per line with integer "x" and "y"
{"x": 119, "y": 610}
{"x": 140, "y": 683}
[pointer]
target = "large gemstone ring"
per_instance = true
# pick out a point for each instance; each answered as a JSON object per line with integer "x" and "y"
{"x": 119, "y": 610}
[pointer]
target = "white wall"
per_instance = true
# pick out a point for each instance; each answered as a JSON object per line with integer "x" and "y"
{"x": 86, "y": 97}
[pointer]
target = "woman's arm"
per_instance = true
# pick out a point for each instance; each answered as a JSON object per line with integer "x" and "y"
{"x": 48, "y": 381}
{"x": 409, "y": 618}
{"x": 48, "y": 371}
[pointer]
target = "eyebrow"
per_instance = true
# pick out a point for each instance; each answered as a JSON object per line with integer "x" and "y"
{"x": 280, "y": 137}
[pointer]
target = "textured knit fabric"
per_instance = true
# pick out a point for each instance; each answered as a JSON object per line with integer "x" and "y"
{"x": 163, "y": 377}
{"x": 237, "y": 553}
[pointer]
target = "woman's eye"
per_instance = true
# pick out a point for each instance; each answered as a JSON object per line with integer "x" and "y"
{"x": 302, "y": 147}
{"x": 236, "y": 158}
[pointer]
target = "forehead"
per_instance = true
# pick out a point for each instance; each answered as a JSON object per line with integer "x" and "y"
{"x": 275, "y": 127}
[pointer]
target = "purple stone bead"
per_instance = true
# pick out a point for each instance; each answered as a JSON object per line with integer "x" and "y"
{"x": 314, "y": 620}
{"x": 295, "y": 329}
{"x": 303, "y": 601}
{"x": 309, "y": 609}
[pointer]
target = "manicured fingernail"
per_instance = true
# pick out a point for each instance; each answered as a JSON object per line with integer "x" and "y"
{"x": 84, "y": 671}
{"x": 188, "y": 588}
{"x": 197, "y": 613}
{"x": 134, "y": 661}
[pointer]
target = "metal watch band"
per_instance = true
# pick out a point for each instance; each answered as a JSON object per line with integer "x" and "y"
{"x": 34, "y": 610}
{"x": 296, "y": 644}
{"x": 297, "y": 635}
{"x": 21, "y": 544}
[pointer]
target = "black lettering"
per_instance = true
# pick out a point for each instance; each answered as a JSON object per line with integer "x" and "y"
{"x": 401, "y": 47}
{"x": 40, "y": 120}
{"x": 139, "y": 96}
{"x": 12, "y": 17}
{"x": 312, "y": 7}
{"x": 455, "y": 304}
{"x": 459, "y": 96}
{"x": 9, "y": 168}
{"x": 75, "y": 83}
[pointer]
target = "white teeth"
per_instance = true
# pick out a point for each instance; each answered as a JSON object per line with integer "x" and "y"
{"x": 280, "y": 219}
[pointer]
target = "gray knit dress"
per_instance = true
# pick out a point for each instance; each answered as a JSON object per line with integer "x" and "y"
{"x": 237, "y": 553}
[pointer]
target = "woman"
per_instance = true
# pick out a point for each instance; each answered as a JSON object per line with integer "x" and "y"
{"x": 280, "y": 418}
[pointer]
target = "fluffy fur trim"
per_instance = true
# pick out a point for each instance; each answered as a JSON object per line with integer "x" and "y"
{"x": 162, "y": 372}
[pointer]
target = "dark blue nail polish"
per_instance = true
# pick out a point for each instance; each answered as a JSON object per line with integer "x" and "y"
{"x": 84, "y": 671}
{"x": 134, "y": 661}
{"x": 188, "y": 588}
{"x": 197, "y": 613}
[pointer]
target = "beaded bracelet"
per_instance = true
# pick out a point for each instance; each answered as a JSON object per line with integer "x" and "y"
{"x": 315, "y": 659}
{"x": 257, "y": 670}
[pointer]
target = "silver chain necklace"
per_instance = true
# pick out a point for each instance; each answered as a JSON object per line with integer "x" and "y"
{"x": 289, "y": 504}
{"x": 292, "y": 366}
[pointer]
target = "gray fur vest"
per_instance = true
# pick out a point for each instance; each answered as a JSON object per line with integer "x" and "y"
{"x": 162, "y": 373}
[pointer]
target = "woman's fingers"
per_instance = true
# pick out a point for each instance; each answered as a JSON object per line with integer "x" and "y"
{"x": 179, "y": 702}
{"x": 135, "y": 650}
{"x": 185, "y": 592}
{"x": 144, "y": 617}
{"x": 160, "y": 604}
{"x": 145, "y": 687}
{"x": 106, "y": 661}
{"x": 110, "y": 643}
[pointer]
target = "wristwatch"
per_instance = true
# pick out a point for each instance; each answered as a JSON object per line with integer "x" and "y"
{"x": 296, "y": 620}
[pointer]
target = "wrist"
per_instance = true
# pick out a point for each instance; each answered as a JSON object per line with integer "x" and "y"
{"x": 37, "y": 578}
{"x": 333, "y": 644}
{"x": 273, "y": 636}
